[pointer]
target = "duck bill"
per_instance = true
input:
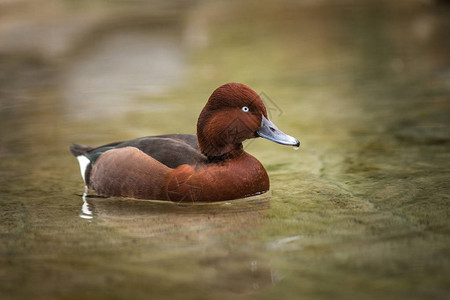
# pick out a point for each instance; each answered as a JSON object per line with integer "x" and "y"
{"x": 269, "y": 131}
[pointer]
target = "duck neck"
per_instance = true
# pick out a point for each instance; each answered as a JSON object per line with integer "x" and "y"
{"x": 230, "y": 152}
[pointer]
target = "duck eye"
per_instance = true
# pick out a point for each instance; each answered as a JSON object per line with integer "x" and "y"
{"x": 245, "y": 109}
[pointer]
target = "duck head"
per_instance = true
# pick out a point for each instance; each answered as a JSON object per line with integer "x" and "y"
{"x": 233, "y": 114}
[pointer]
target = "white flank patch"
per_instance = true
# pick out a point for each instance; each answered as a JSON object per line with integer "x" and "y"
{"x": 84, "y": 162}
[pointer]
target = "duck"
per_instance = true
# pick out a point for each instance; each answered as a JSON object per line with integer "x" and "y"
{"x": 209, "y": 166}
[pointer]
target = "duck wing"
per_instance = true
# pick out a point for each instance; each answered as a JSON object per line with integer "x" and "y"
{"x": 171, "y": 150}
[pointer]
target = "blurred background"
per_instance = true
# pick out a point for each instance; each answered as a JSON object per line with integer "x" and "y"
{"x": 359, "y": 212}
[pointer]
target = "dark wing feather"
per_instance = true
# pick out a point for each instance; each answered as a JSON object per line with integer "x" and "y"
{"x": 171, "y": 150}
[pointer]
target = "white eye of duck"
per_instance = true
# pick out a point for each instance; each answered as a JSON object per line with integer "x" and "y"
{"x": 245, "y": 109}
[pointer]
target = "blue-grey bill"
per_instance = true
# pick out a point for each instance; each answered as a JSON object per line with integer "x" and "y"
{"x": 269, "y": 131}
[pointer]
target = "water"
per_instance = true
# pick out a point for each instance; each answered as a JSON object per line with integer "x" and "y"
{"x": 361, "y": 211}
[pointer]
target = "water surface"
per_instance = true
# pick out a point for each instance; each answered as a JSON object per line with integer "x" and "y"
{"x": 359, "y": 211}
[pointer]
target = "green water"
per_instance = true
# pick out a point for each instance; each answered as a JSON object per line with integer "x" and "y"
{"x": 361, "y": 211}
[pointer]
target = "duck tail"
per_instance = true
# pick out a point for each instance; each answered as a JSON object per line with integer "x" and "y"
{"x": 81, "y": 153}
{"x": 78, "y": 149}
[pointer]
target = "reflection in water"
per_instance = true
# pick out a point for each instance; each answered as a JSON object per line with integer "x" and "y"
{"x": 86, "y": 212}
{"x": 159, "y": 217}
{"x": 200, "y": 231}
{"x": 285, "y": 243}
